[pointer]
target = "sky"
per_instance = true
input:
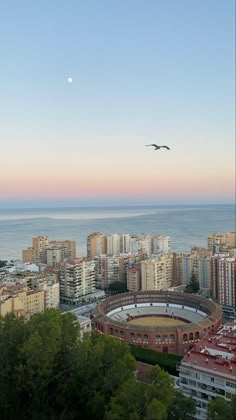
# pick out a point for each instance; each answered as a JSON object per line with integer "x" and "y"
{"x": 144, "y": 71}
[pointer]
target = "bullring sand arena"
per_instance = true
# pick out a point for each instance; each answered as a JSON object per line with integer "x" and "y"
{"x": 156, "y": 321}
{"x": 163, "y": 321}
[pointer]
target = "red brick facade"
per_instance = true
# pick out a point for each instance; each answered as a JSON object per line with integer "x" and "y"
{"x": 177, "y": 339}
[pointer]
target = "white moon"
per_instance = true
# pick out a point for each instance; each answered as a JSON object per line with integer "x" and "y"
{"x": 69, "y": 79}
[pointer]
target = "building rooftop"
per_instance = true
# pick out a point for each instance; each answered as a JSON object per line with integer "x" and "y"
{"x": 215, "y": 352}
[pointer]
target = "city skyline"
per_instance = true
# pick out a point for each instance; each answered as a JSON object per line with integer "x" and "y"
{"x": 141, "y": 72}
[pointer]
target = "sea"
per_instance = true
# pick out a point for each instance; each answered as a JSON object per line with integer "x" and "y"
{"x": 187, "y": 225}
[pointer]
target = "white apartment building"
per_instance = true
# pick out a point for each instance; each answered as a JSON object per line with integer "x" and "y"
{"x": 51, "y": 294}
{"x": 154, "y": 244}
{"x": 161, "y": 244}
{"x": 114, "y": 244}
{"x": 208, "y": 370}
{"x": 77, "y": 279}
{"x": 156, "y": 273}
{"x": 199, "y": 265}
{"x": 110, "y": 269}
{"x": 145, "y": 244}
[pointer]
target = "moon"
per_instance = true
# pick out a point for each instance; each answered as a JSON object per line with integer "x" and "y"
{"x": 69, "y": 79}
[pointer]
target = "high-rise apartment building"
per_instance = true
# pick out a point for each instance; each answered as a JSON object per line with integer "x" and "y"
{"x": 156, "y": 273}
{"x": 48, "y": 252}
{"x": 198, "y": 265}
{"x": 114, "y": 244}
{"x": 125, "y": 243}
{"x": 161, "y": 244}
{"x": 96, "y": 244}
{"x": 39, "y": 245}
{"x": 134, "y": 279}
{"x": 154, "y": 244}
{"x": 77, "y": 279}
{"x": 67, "y": 247}
{"x": 218, "y": 242}
{"x": 110, "y": 269}
{"x": 224, "y": 280}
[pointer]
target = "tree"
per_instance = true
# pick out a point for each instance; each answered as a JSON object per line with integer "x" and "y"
{"x": 193, "y": 286}
{"x": 3, "y": 263}
{"x": 182, "y": 407}
{"x": 48, "y": 372}
{"x": 148, "y": 400}
{"x": 117, "y": 287}
{"x": 219, "y": 409}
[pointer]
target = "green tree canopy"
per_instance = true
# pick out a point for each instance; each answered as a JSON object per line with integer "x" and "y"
{"x": 219, "y": 409}
{"x": 48, "y": 372}
{"x": 193, "y": 285}
{"x": 182, "y": 407}
{"x": 117, "y": 287}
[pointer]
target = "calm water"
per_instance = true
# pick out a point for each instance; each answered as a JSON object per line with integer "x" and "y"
{"x": 186, "y": 225}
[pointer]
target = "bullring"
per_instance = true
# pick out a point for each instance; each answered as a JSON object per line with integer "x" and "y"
{"x": 188, "y": 317}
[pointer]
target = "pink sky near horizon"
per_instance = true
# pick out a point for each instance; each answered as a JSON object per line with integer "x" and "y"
{"x": 131, "y": 183}
{"x": 159, "y": 73}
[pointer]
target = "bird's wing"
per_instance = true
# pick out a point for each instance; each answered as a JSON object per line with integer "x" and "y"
{"x": 166, "y": 147}
{"x": 152, "y": 145}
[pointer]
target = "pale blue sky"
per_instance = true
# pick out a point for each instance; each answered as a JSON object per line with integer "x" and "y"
{"x": 143, "y": 71}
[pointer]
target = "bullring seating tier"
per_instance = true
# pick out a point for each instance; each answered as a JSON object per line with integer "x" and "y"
{"x": 157, "y": 309}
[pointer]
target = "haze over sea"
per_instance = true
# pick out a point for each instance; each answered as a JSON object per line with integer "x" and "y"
{"x": 187, "y": 225}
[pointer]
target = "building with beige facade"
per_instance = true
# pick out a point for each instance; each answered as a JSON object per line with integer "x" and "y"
{"x": 219, "y": 242}
{"x": 22, "y": 302}
{"x": 96, "y": 244}
{"x": 51, "y": 294}
{"x": 134, "y": 279}
{"x": 156, "y": 273}
{"x": 48, "y": 252}
{"x": 24, "y": 293}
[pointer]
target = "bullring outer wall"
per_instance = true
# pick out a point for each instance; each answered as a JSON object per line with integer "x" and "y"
{"x": 174, "y": 339}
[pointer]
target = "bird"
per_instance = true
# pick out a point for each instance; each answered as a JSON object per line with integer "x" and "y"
{"x": 157, "y": 147}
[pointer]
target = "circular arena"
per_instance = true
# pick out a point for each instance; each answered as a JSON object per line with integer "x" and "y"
{"x": 159, "y": 320}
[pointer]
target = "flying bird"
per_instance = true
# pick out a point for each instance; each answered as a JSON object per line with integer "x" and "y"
{"x": 157, "y": 147}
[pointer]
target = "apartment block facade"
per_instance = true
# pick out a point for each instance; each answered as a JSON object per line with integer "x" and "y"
{"x": 21, "y": 302}
{"x": 208, "y": 370}
{"x": 96, "y": 244}
{"x": 156, "y": 273}
{"x": 224, "y": 280}
{"x": 48, "y": 252}
{"x": 77, "y": 279}
{"x": 219, "y": 242}
{"x": 110, "y": 269}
